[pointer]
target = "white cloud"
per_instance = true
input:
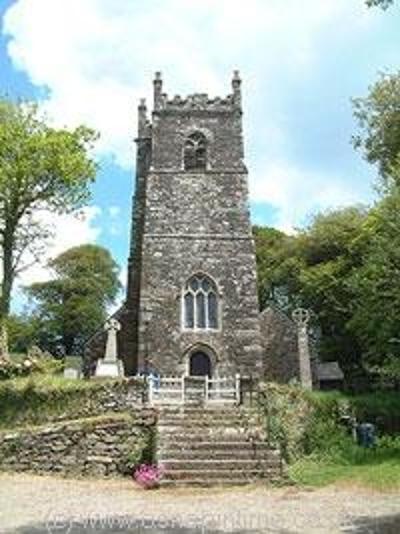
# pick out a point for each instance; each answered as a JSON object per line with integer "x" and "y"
{"x": 297, "y": 194}
{"x": 116, "y": 223}
{"x": 97, "y": 57}
{"x": 67, "y": 231}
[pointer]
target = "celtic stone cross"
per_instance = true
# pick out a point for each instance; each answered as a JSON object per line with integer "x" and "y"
{"x": 112, "y": 326}
{"x": 301, "y": 318}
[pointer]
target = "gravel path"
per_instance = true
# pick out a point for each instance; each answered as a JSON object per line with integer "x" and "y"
{"x": 33, "y": 505}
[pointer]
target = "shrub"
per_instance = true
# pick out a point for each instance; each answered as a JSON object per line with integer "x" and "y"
{"x": 137, "y": 452}
{"x": 300, "y": 422}
{"x": 10, "y": 369}
{"x": 26, "y": 366}
{"x": 47, "y": 365}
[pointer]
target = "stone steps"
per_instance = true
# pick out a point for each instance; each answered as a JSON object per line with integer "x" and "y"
{"x": 201, "y": 417}
{"x": 201, "y": 423}
{"x": 196, "y": 411}
{"x": 237, "y": 464}
{"x": 205, "y": 483}
{"x": 233, "y": 445}
{"x": 210, "y": 446}
{"x": 168, "y": 449}
{"x": 218, "y": 475}
{"x": 218, "y": 453}
{"x": 231, "y": 435}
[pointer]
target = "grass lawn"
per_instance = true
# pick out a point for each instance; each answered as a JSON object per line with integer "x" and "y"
{"x": 36, "y": 399}
{"x": 377, "y": 469}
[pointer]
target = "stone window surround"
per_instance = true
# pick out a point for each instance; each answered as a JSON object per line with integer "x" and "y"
{"x": 219, "y": 296}
{"x": 195, "y": 152}
{"x": 208, "y": 136}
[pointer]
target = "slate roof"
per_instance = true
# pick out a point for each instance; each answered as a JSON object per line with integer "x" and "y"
{"x": 329, "y": 371}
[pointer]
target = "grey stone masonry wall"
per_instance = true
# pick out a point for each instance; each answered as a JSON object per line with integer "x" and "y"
{"x": 189, "y": 222}
{"x": 103, "y": 397}
{"x": 92, "y": 447}
{"x": 280, "y": 342}
{"x": 113, "y": 396}
{"x": 236, "y": 342}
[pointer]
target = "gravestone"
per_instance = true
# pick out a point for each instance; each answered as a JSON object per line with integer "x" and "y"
{"x": 71, "y": 373}
{"x": 110, "y": 365}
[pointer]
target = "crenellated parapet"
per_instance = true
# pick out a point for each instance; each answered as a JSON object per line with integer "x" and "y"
{"x": 197, "y": 101}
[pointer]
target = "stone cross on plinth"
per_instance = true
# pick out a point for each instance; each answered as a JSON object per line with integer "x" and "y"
{"x": 112, "y": 327}
{"x": 110, "y": 365}
{"x": 301, "y": 318}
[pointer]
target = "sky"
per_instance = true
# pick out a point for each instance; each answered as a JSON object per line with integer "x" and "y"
{"x": 301, "y": 61}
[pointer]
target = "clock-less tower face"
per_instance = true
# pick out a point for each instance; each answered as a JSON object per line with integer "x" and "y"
{"x": 192, "y": 286}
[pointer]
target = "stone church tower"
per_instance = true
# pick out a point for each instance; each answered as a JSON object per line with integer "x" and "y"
{"x": 192, "y": 304}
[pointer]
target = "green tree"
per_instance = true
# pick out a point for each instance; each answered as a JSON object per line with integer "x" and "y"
{"x": 378, "y": 117}
{"x": 70, "y": 306}
{"x": 22, "y": 332}
{"x": 375, "y": 308}
{"x": 331, "y": 248}
{"x": 41, "y": 168}
{"x": 278, "y": 268}
{"x": 313, "y": 269}
{"x": 376, "y": 305}
{"x": 384, "y": 4}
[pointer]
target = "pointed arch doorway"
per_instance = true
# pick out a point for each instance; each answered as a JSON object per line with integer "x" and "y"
{"x": 200, "y": 364}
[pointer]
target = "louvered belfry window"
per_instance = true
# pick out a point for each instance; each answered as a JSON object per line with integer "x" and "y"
{"x": 195, "y": 152}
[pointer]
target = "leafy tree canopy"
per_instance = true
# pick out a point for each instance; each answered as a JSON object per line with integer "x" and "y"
{"x": 278, "y": 267}
{"x": 70, "y": 306}
{"x": 41, "y": 168}
{"x": 378, "y": 117}
{"x": 384, "y": 4}
{"x": 376, "y": 306}
{"x": 312, "y": 269}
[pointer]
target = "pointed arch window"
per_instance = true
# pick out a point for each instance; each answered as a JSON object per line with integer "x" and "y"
{"x": 195, "y": 152}
{"x": 200, "y": 304}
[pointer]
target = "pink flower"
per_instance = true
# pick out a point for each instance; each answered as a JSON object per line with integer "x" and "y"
{"x": 148, "y": 476}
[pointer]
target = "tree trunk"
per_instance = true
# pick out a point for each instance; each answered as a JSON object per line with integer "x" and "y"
{"x": 8, "y": 274}
{"x": 3, "y": 341}
{"x": 7, "y": 279}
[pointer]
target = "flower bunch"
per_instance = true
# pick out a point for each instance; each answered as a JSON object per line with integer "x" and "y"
{"x": 148, "y": 476}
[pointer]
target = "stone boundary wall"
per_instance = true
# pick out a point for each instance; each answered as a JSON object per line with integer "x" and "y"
{"x": 106, "y": 396}
{"x": 118, "y": 396}
{"x": 89, "y": 447}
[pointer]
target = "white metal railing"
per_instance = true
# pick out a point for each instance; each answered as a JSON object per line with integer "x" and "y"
{"x": 180, "y": 389}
